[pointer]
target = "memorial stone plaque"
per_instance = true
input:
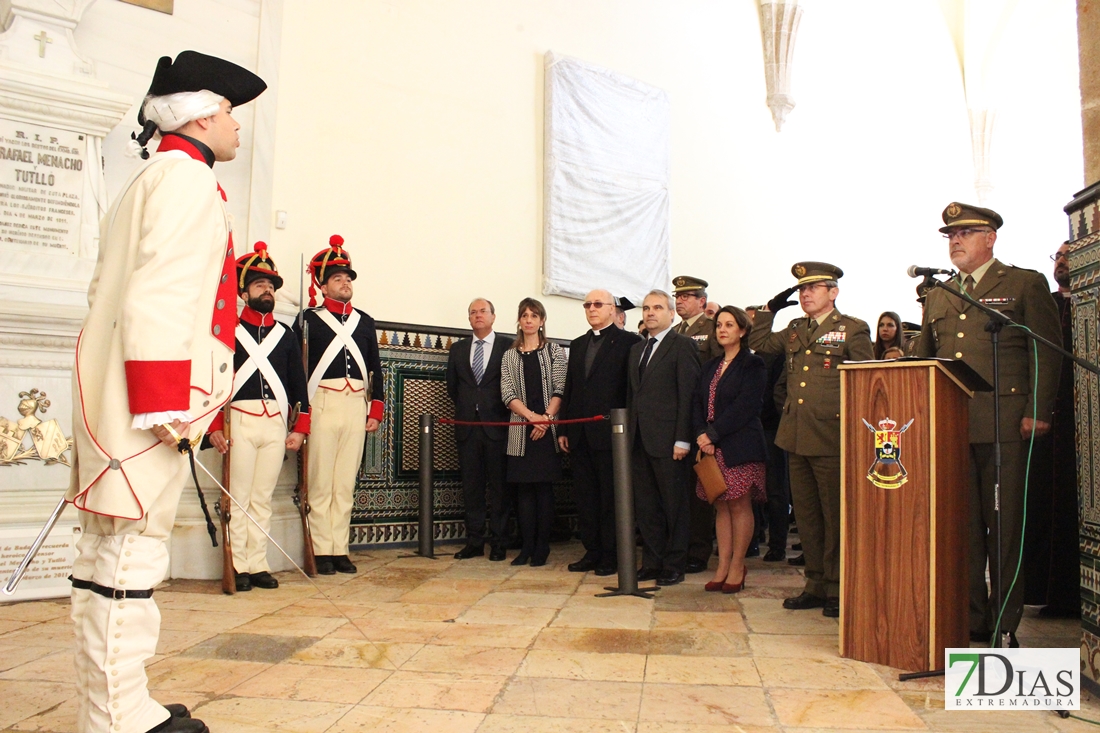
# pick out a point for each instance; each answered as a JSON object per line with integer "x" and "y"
{"x": 41, "y": 187}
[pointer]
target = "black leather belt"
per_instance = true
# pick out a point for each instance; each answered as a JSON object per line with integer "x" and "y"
{"x": 114, "y": 594}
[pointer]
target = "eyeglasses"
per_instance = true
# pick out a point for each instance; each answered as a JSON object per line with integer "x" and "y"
{"x": 589, "y": 305}
{"x": 966, "y": 232}
{"x": 1059, "y": 256}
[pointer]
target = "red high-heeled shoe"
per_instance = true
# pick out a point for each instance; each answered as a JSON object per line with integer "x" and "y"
{"x": 714, "y": 586}
{"x": 735, "y": 587}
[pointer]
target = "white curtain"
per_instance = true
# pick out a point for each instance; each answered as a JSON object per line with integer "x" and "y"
{"x": 607, "y": 175}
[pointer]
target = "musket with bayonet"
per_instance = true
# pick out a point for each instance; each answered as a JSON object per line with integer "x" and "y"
{"x": 225, "y": 511}
{"x": 301, "y": 491}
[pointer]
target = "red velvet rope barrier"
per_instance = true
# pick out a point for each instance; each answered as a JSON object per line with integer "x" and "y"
{"x": 472, "y": 423}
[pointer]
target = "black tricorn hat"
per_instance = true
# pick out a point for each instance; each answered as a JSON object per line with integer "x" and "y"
{"x": 193, "y": 71}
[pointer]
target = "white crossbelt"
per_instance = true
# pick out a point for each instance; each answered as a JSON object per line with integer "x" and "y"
{"x": 343, "y": 340}
{"x": 258, "y": 360}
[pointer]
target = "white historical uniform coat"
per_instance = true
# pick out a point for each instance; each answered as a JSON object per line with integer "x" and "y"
{"x": 158, "y": 338}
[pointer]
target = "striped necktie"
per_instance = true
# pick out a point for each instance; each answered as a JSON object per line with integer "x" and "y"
{"x": 479, "y": 360}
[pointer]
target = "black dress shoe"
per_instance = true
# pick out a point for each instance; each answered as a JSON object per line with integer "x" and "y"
{"x": 521, "y": 559}
{"x": 804, "y": 601}
{"x": 180, "y": 725}
{"x": 832, "y": 608}
{"x": 694, "y": 565}
{"x": 324, "y": 565}
{"x": 343, "y": 564}
{"x": 775, "y": 556}
{"x": 648, "y": 574}
{"x": 243, "y": 582}
{"x": 263, "y": 580}
{"x": 586, "y": 563}
{"x": 798, "y": 561}
{"x": 538, "y": 562}
{"x": 497, "y": 554}
{"x": 605, "y": 570}
{"x": 177, "y": 711}
{"x": 470, "y": 551}
{"x": 670, "y": 577}
{"x": 753, "y": 551}
{"x": 1013, "y": 643}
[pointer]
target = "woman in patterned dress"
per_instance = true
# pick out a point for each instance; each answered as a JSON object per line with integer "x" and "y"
{"x": 532, "y": 381}
{"x": 726, "y": 417}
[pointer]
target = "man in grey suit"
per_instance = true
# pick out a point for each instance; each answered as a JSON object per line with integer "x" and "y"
{"x": 662, "y": 372}
{"x": 473, "y": 383}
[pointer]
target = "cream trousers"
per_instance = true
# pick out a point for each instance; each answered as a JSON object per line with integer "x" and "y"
{"x": 338, "y": 421}
{"x": 259, "y": 446}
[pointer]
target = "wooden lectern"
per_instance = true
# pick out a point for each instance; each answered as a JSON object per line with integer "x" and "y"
{"x": 904, "y": 480}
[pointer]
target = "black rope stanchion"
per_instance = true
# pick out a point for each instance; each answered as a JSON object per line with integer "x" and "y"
{"x": 426, "y": 535}
{"x": 624, "y": 512}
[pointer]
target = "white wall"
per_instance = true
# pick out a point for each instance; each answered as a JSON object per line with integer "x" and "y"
{"x": 414, "y": 129}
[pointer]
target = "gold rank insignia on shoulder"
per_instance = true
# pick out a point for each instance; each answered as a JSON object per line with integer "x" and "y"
{"x": 799, "y": 271}
{"x": 954, "y": 210}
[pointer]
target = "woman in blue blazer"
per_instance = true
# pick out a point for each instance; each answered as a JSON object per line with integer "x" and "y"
{"x": 726, "y": 419}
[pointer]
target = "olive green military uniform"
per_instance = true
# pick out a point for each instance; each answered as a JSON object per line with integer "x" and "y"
{"x": 809, "y": 426}
{"x": 702, "y": 332}
{"x": 701, "y": 538}
{"x": 954, "y": 329}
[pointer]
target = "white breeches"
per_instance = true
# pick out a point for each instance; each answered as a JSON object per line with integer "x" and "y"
{"x": 259, "y": 446}
{"x": 338, "y": 422}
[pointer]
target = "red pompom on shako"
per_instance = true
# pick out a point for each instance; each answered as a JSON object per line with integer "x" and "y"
{"x": 327, "y": 263}
{"x": 255, "y": 265}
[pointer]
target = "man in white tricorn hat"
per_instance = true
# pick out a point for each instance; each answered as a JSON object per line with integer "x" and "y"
{"x": 154, "y": 364}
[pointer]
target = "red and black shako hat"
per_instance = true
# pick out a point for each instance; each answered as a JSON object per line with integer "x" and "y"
{"x": 256, "y": 265}
{"x": 327, "y": 263}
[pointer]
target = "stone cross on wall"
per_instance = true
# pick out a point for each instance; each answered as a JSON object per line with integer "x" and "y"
{"x": 42, "y": 39}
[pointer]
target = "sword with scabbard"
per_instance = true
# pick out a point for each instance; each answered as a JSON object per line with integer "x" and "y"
{"x": 225, "y": 511}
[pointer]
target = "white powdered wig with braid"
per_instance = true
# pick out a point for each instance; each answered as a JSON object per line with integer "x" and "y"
{"x": 172, "y": 111}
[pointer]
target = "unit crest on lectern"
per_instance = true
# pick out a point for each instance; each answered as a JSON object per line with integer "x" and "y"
{"x": 47, "y": 440}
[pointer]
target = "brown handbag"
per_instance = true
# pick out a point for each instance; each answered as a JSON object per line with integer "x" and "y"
{"x": 714, "y": 483}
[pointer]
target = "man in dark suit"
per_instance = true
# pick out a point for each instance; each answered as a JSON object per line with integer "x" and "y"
{"x": 662, "y": 374}
{"x": 595, "y": 383}
{"x": 473, "y": 383}
{"x": 954, "y": 329}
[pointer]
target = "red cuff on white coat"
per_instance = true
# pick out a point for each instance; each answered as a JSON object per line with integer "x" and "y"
{"x": 158, "y": 386}
{"x": 376, "y": 409}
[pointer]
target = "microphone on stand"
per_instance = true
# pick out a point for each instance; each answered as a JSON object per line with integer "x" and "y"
{"x": 915, "y": 271}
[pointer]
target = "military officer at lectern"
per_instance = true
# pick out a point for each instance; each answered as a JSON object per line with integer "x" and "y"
{"x": 954, "y": 329}
{"x": 153, "y": 365}
{"x": 809, "y": 426}
{"x": 268, "y": 415}
{"x": 345, "y": 394}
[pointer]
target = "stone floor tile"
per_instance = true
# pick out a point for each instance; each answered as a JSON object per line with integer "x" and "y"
{"x": 388, "y": 630}
{"x": 313, "y": 683}
{"x": 55, "y": 667}
{"x": 58, "y": 636}
{"x": 587, "y": 617}
{"x": 846, "y": 709}
{"x": 449, "y": 591}
{"x": 819, "y": 674}
{"x": 26, "y": 698}
{"x": 681, "y": 620}
{"x": 369, "y": 594}
{"x": 35, "y": 611}
{"x": 574, "y": 665}
{"x": 696, "y": 600}
{"x": 213, "y": 676}
{"x": 174, "y": 619}
{"x": 685, "y": 670}
{"x": 437, "y": 690}
{"x": 698, "y": 642}
{"x": 663, "y": 726}
{"x": 544, "y": 696}
{"x": 397, "y": 611}
{"x": 521, "y": 599}
{"x": 258, "y": 715}
{"x": 318, "y": 606}
{"x": 516, "y": 637}
{"x": 498, "y": 723}
{"x": 799, "y": 646}
{"x": 473, "y": 660}
{"x": 264, "y": 648}
{"x": 600, "y": 641}
{"x": 405, "y": 720}
{"x": 766, "y": 616}
{"x": 58, "y": 719}
{"x": 14, "y": 656}
{"x": 173, "y": 641}
{"x": 508, "y": 616}
{"x": 333, "y": 652}
{"x": 315, "y": 626}
{"x": 705, "y": 705}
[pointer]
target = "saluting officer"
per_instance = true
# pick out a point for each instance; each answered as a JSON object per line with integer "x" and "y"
{"x": 269, "y": 390}
{"x": 152, "y": 366}
{"x": 345, "y": 391}
{"x": 954, "y": 329}
{"x": 809, "y": 427}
